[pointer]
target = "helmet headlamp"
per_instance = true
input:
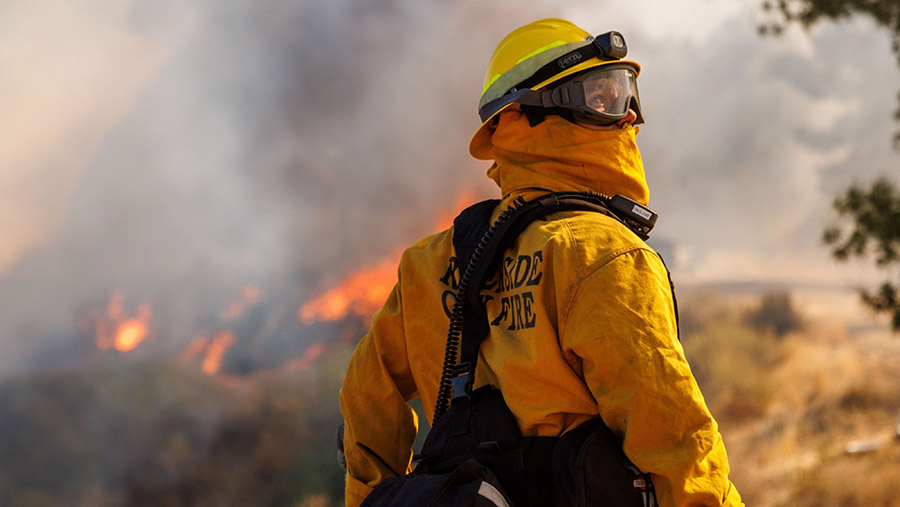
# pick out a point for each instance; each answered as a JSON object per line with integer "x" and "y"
{"x": 600, "y": 95}
{"x": 612, "y": 46}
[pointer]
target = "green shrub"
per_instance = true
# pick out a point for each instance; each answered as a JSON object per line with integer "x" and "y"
{"x": 775, "y": 314}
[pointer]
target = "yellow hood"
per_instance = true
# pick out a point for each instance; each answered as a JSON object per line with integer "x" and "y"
{"x": 557, "y": 155}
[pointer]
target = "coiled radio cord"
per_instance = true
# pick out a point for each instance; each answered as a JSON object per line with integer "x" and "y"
{"x": 454, "y": 333}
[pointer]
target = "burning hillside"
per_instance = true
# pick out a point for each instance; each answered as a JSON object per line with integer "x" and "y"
{"x": 362, "y": 293}
{"x": 256, "y": 329}
{"x": 249, "y": 395}
{"x": 226, "y": 162}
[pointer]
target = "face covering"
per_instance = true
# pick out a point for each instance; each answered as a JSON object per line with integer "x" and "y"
{"x": 557, "y": 155}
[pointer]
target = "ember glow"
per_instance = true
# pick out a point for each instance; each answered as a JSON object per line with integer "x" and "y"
{"x": 306, "y": 361}
{"x": 249, "y": 296}
{"x": 463, "y": 201}
{"x": 130, "y": 334}
{"x": 364, "y": 292}
{"x": 113, "y": 329}
{"x": 194, "y": 349}
{"x": 221, "y": 342}
{"x": 209, "y": 347}
{"x": 211, "y": 350}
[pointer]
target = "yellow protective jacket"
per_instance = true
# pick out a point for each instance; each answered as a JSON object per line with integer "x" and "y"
{"x": 582, "y": 324}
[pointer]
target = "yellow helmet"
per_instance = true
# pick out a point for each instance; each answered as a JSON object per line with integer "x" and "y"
{"x": 538, "y": 54}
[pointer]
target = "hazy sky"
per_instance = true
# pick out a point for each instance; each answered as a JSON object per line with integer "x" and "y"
{"x": 176, "y": 150}
{"x": 733, "y": 118}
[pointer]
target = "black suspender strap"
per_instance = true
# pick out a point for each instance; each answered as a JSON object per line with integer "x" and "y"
{"x": 479, "y": 248}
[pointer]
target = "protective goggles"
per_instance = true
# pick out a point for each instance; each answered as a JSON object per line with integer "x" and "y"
{"x": 601, "y": 95}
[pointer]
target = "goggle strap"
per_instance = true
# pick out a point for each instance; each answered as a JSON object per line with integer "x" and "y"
{"x": 558, "y": 97}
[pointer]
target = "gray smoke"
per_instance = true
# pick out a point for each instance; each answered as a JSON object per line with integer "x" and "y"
{"x": 282, "y": 145}
{"x": 285, "y": 144}
{"x": 751, "y": 138}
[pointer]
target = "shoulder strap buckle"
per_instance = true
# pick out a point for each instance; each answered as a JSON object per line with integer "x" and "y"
{"x": 463, "y": 379}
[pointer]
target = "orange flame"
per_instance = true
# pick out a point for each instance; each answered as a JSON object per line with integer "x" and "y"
{"x": 361, "y": 293}
{"x": 445, "y": 219}
{"x": 130, "y": 334}
{"x": 216, "y": 350}
{"x": 249, "y": 296}
{"x": 307, "y": 359}
{"x": 251, "y": 293}
{"x": 194, "y": 349}
{"x": 113, "y": 330}
{"x": 211, "y": 351}
{"x": 114, "y": 308}
{"x": 364, "y": 292}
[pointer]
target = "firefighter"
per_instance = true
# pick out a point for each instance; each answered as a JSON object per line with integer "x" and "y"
{"x": 582, "y": 317}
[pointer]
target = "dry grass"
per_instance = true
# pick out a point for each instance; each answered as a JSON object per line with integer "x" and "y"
{"x": 870, "y": 480}
{"x": 730, "y": 362}
{"x": 788, "y": 406}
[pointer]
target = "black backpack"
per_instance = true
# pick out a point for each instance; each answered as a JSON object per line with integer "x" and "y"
{"x": 475, "y": 454}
